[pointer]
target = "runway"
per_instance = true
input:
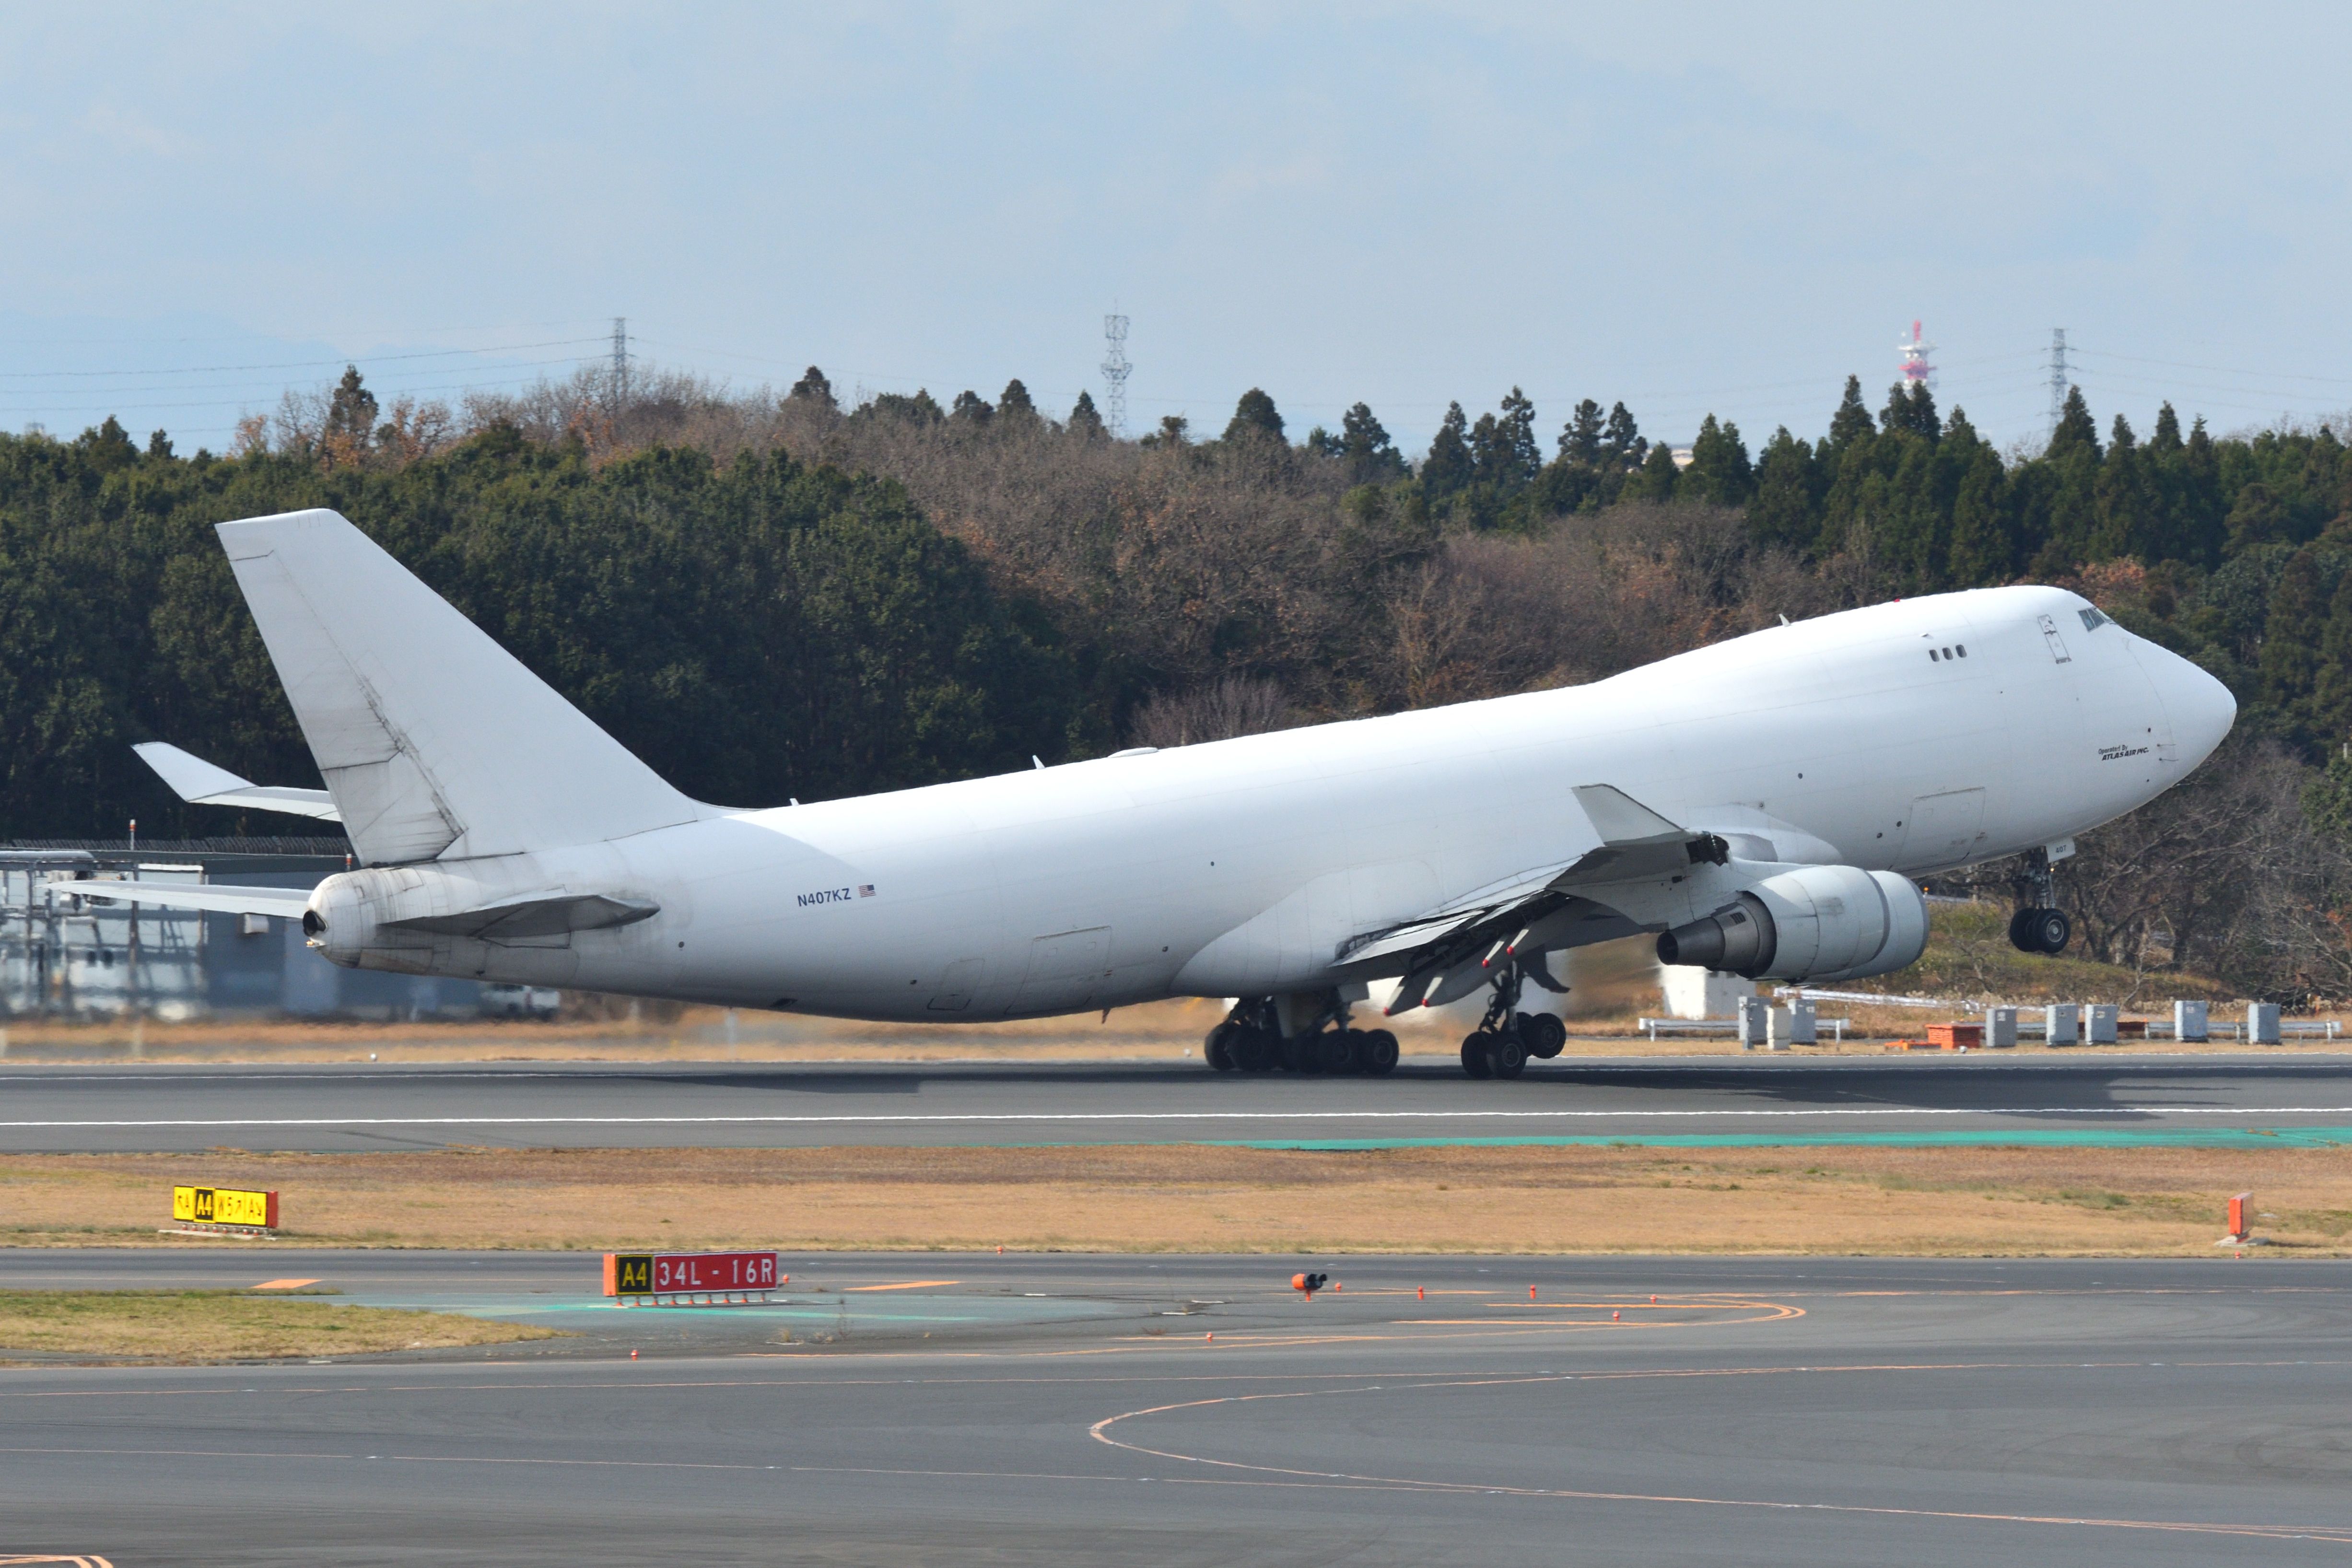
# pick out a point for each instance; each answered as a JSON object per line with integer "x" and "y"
{"x": 2087, "y": 1098}
{"x": 1070, "y": 1410}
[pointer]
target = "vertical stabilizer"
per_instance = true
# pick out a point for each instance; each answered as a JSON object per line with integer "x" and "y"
{"x": 435, "y": 741}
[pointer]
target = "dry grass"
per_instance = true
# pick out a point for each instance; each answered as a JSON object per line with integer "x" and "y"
{"x": 194, "y": 1326}
{"x": 1191, "y": 1198}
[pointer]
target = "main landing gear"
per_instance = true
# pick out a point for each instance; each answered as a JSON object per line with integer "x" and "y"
{"x": 1504, "y": 1040}
{"x": 2040, "y": 926}
{"x": 1251, "y": 1040}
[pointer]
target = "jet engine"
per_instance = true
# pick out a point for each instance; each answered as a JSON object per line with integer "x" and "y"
{"x": 1811, "y": 922}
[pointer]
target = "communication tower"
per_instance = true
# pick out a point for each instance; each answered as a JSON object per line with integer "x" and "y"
{"x": 2060, "y": 378}
{"x": 1116, "y": 370}
{"x": 1918, "y": 370}
{"x": 621, "y": 359}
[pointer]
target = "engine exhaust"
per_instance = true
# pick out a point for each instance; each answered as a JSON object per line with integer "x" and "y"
{"x": 1738, "y": 939}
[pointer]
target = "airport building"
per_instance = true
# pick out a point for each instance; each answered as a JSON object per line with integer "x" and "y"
{"x": 64, "y": 955}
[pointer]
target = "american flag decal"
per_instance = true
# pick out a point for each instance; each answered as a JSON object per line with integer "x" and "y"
{"x": 865, "y": 889}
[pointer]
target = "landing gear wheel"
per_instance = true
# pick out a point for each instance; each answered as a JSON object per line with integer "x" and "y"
{"x": 1377, "y": 1056}
{"x": 1254, "y": 1050}
{"x": 1217, "y": 1049}
{"x": 1508, "y": 1056}
{"x": 2051, "y": 931}
{"x": 1478, "y": 1060}
{"x": 2021, "y": 930}
{"x": 1544, "y": 1034}
{"x": 2040, "y": 930}
{"x": 1334, "y": 1051}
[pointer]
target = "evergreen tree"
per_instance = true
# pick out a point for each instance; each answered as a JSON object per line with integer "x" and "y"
{"x": 159, "y": 445}
{"x": 813, "y": 387}
{"x": 1782, "y": 509}
{"x": 2331, "y": 705}
{"x": 2167, "y": 438}
{"x": 1719, "y": 472}
{"x": 1851, "y": 422}
{"x": 1014, "y": 408}
{"x": 1371, "y": 457}
{"x": 1911, "y": 409}
{"x": 971, "y": 408}
{"x": 2204, "y": 511}
{"x": 1981, "y": 553}
{"x": 1622, "y": 445}
{"x": 920, "y": 409}
{"x": 107, "y": 446}
{"x": 2256, "y": 518}
{"x": 1084, "y": 421}
{"x": 1255, "y": 418}
{"x": 351, "y": 419}
{"x": 1657, "y": 480}
{"x": 1511, "y": 460}
{"x": 1580, "y": 437}
{"x": 2077, "y": 430}
{"x": 1448, "y": 468}
{"x": 2294, "y": 632}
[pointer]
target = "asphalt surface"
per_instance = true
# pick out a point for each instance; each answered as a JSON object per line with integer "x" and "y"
{"x": 1074, "y": 1410}
{"x": 351, "y": 1107}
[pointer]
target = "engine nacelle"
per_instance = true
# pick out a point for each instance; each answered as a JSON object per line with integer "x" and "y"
{"x": 345, "y": 920}
{"x": 1814, "y": 923}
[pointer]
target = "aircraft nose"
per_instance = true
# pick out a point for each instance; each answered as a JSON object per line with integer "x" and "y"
{"x": 2200, "y": 707}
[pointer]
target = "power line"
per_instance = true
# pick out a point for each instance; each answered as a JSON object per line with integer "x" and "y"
{"x": 291, "y": 364}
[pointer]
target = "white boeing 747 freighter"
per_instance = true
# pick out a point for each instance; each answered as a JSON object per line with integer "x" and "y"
{"x": 1762, "y": 803}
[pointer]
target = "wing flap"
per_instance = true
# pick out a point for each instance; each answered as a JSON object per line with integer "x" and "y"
{"x": 1450, "y": 951}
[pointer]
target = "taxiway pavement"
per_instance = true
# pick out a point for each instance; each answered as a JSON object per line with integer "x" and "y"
{"x": 1076, "y": 1410}
{"x": 2094, "y": 1095}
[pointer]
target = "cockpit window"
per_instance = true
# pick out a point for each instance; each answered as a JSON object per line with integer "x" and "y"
{"x": 2092, "y": 619}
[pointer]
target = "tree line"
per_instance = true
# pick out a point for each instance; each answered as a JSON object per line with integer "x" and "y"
{"x": 777, "y": 593}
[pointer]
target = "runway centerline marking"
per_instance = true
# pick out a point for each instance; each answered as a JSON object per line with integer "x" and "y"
{"x": 1064, "y": 1117}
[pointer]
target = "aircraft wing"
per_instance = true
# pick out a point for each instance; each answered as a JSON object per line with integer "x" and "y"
{"x": 1452, "y": 950}
{"x": 200, "y": 783}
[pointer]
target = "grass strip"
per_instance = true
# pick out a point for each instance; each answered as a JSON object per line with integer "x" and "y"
{"x": 2016, "y": 1197}
{"x": 194, "y": 1326}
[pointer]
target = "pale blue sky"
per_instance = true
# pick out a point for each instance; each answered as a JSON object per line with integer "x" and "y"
{"x": 1691, "y": 207}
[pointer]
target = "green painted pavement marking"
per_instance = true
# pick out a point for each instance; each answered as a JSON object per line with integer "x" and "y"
{"x": 2094, "y": 1137}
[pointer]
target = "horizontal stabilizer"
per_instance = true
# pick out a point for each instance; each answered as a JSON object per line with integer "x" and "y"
{"x": 200, "y": 783}
{"x": 545, "y": 915}
{"x": 285, "y": 902}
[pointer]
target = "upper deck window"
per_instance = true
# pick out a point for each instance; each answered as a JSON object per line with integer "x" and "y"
{"x": 2092, "y": 619}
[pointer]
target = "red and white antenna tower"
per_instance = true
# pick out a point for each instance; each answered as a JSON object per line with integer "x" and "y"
{"x": 1916, "y": 369}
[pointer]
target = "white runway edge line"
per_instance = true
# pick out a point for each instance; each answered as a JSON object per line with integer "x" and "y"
{"x": 1069, "y": 1116}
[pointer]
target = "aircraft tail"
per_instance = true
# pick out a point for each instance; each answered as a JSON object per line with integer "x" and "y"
{"x": 434, "y": 741}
